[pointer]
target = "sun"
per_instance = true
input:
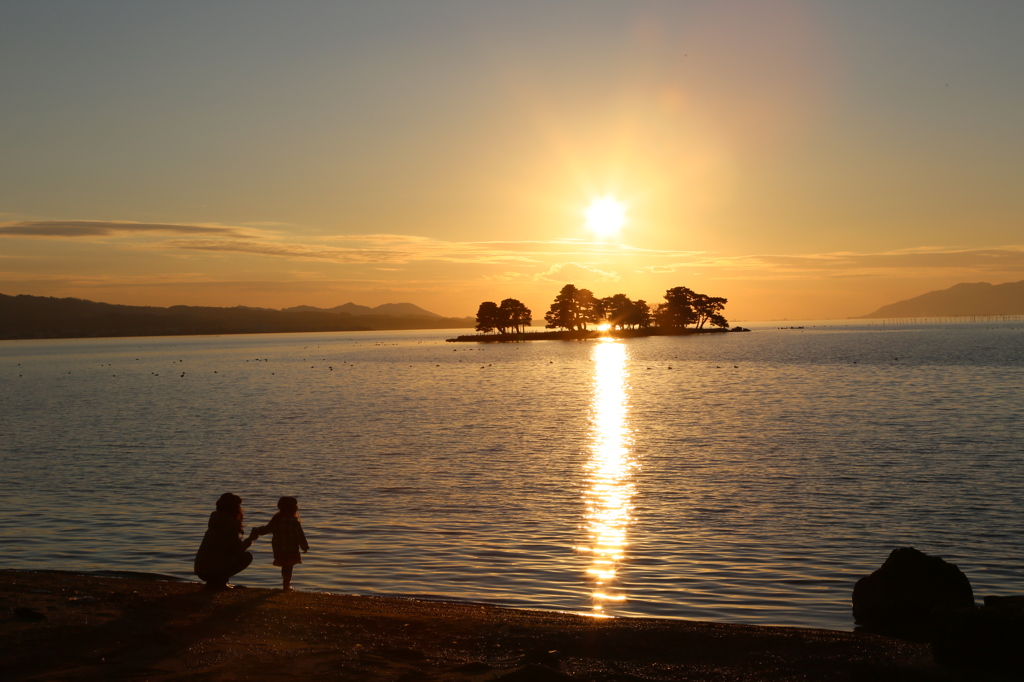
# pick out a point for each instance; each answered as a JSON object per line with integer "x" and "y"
{"x": 606, "y": 216}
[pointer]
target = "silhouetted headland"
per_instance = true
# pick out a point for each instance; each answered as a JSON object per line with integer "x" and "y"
{"x": 979, "y": 299}
{"x": 43, "y": 317}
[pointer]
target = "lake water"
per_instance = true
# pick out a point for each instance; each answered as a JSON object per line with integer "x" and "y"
{"x": 737, "y": 477}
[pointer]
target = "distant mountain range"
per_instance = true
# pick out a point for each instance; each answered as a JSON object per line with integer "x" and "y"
{"x": 960, "y": 300}
{"x": 396, "y": 309}
{"x": 43, "y": 317}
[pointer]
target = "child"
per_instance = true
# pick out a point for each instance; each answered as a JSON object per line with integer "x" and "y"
{"x": 288, "y": 537}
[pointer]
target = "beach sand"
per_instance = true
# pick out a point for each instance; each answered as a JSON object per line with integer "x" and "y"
{"x": 133, "y": 628}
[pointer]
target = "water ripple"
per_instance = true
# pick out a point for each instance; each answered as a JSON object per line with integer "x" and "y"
{"x": 753, "y": 482}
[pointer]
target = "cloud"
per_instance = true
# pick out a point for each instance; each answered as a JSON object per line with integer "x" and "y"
{"x": 386, "y": 249}
{"x": 555, "y": 247}
{"x": 397, "y": 253}
{"x": 380, "y": 238}
{"x": 509, "y": 276}
{"x": 922, "y": 261}
{"x": 575, "y": 272}
{"x": 914, "y": 262}
{"x": 566, "y": 260}
{"x": 108, "y": 228}
{"x": 296, "y": 251}
{"x": 379, "y": 248}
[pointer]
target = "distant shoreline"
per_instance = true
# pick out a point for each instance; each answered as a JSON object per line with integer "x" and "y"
{"x": 25, "y": 317}
{"x": 582, "y": 335}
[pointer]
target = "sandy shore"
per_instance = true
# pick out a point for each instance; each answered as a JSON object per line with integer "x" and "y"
{"x": 64, "y": 626}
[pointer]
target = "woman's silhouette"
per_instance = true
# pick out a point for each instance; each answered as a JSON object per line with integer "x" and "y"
{"x": 222, "y": 553}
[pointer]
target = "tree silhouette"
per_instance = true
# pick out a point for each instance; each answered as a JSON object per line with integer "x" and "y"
{"x": 487, "y": 317}
{"x": 616, "y": 310}
{"x": 684, "y": 306}
{"x": 677, "y": 310}
{"x": 573, "y": 309}
{"x": 514, "y": 315}
{"x": 622, "y": 313}
{"x": 565, "y": 311}
{"x": 708, "y": 309}
{"x": 589, "y": 307}
{"x": 640, "y": 315}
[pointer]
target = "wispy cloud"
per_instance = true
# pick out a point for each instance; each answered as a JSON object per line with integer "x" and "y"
{"x": 576, "y": 272}
{"x": 399, "y": 248}
{"x": 660, "y": 268}
{"x": 552, "y": 247}
{"x": 392, "y": 252}
{"x": 915, "y": 262}
{"x": 509, "y": 276}
{"x": 109, "y": 228}
{"x": 293, "y": 251}
{"x": 565, "y": 259}
{"x": 380, "y": 248}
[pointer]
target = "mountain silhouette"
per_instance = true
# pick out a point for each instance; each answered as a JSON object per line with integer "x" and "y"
{"x": 396, "y": 309}
{"x": 45, "y": 317}
{"x": 960, "y": 300}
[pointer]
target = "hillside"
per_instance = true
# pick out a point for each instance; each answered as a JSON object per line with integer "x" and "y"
{"x": 960, "y": 300}
{"x": 395, "y": 309}
{"x": 42, "y": 317}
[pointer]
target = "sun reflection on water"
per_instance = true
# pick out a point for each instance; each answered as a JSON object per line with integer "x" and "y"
{"x": 609, "y": 475}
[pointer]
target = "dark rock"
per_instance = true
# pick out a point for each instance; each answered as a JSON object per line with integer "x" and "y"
{"x": 986, "y": 638}
{"x": 909, "y": 589}
{"x": 27, "y": 613}
{"x": 1012, "y": 604}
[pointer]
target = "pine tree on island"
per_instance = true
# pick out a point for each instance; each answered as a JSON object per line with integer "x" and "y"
{"x": 573, "y": 309}
{"x": 487, "y": 317}
{"x": 622, "y": 313}
{"x": 509, "y": 317}
{"x": 516, "y": 315}
{"x": 684, "y": 306}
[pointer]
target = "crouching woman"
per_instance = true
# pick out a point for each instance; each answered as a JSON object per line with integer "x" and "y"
{"x": 223, "y": 552}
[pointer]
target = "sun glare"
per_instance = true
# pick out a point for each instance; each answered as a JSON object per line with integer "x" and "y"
{"x": 606, "y": 216}
{"x": 608, "y": 498}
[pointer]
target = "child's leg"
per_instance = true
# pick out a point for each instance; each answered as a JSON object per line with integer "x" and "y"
{"x": 286, "y": 576}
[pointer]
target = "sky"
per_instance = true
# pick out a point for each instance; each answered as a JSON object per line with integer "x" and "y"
{"x": 804, "y": 159}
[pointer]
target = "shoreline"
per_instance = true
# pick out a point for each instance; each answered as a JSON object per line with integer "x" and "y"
{"x": 129, "y": 626}
{"x": 587, "y": 334}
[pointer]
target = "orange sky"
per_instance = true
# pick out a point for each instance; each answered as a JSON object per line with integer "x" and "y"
{"x": 803, "y": 159}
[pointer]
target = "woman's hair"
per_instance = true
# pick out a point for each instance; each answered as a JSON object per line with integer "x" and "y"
{"x": 230, "y": 503}
{"x": 287, "y": 506}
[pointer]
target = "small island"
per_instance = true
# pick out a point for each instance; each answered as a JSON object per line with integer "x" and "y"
{"x": 576, "y": 314}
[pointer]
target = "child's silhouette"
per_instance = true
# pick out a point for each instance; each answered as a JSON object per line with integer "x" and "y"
{"x": 286, "y": 528}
